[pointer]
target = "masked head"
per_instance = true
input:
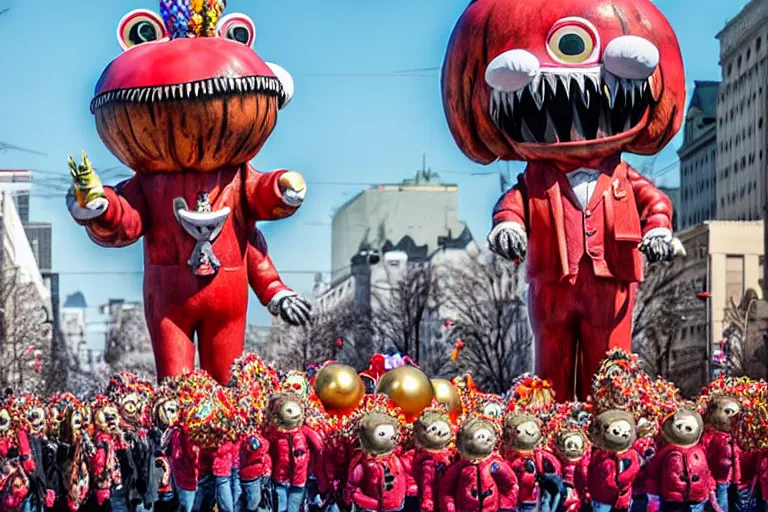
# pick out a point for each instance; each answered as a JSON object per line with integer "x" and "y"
{"x": 379, "y": 433}
{"x": 5, "y": 421}
{"x": 175, "y": 100}
{"x": 286, "y": 410}
{"x": 432, "y": 430}
{"x": 477, "y": 439}
{"x": 521, "y": 431}
{"x": 721, "y": 411}
{"x": 571, "y": 81}
{"x": 165, "y": 412}
{"x": 614, "y": 430}
{"x": 106, "y": 418}
{"x": 683, "y": 428}
{"x": 571, "y": 444}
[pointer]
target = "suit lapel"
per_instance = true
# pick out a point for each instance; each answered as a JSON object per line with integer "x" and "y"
{"x": 603, "y": 184}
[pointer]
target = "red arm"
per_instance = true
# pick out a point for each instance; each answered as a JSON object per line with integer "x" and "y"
{"x": 447, "y": 488}
{"x": 262, "y": 274}
{"x": 316, "y": 445}
{"x": 652, "y": 474}
{"x": 25, "y": 452}
{"x": 626, "y": 478}
{"x": 506, "y": 479}
{"x": 511, "y": 206}
{"x": 354, "y": 494}
{"x": 654, "y": 207}
{"x": 264, "y": 197}
{"x": 426, "y": 485}
{"x": 125, "y": 219}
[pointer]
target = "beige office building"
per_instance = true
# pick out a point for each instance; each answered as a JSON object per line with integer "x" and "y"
{"x": 742, "y": 108}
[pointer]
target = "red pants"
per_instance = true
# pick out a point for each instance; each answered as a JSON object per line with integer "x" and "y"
{"x": 574, "y": 324}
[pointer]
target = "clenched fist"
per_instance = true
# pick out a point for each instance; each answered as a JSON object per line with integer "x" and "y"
{"x": 509, "y": 241}
{"x": 293, "y": 187}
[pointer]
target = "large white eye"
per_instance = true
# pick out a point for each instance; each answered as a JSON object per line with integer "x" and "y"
{"x": 573, "y": 41}
{"x": 139, "y": 27}
{"x": 631, "y": 57}
{"x": 384, "y": 432}
{"x": 483, "y": 436}
{"x": 237, "y": 27}
{"x": 574, "y": 442}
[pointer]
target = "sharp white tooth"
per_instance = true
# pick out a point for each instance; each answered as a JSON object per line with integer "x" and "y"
{"x": 577, "y": 130}
{"x": 550, "y": 134}
{"x": 210, "y": 86}
{"x": 494, "y": 107}
{"x": 612, "y": 87}
{"x": 581, "y": 82}
{"x": 594, "y": 78}
{"x": 527, "y": 133}
{"x": 629, "y": 94}
{"x": 519, "y": 93}
{"x": 197, "y": 89}
{"x": 643, "y": 87}
{"x": 509, "y": 100}
{"x": 189, "y": 90}
{"x": 167, "y": 92}
{"x": 565, "y": 81}
{"x": 142, "y": 93}
{"x": 537, "y": 91}
{"x": 231, "y": 84}
{"x": 251, "y": 83}
{"x": 551, "y": 80}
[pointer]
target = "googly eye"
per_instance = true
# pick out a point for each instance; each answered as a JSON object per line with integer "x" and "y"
{"x": 237, "y": 27}
{"x": 140, "y": 27}
{"x": 573, "y": 41}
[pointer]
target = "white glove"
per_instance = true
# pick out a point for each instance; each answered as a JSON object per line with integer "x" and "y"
{"x": 93, "y": 209}
{"x": 509, "y": 241}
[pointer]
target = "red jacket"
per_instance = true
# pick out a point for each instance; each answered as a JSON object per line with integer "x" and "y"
{"x": 254, "y": 463}
{"x": 426, "y": 467}
{"x": 611, "y": 476}
{"x": 486, "y": 486}
{"x": 723, "y": 456}
{"x": 103, "y": 466}
{"x": 528, "y": 467}
{"x": 646, "y": 447}
{"x": 20, "y": 443}
{"x": 575, "y": 477}
{"x": 185, "y": 461}
{"x": 337, "y": 456}
{"x": 295, "y": 454}
{"x": 623, "y": 207}
{"x": 378, "y": 483}
{"x": 680, "y": 475}
{"x": 761, "y": 479}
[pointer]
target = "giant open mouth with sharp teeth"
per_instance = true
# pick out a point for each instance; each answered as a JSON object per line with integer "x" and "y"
{"x": 563, "y": 106}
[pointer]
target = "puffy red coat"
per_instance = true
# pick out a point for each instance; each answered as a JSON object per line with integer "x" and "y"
{"x": 528, "y": 466}
{"x": 680, "y": 475}
{"x": 18, "y": 446}
{"x": 646, "y": 447}
{"x": 378, "y": 483}
{"x": 486, "y": 486}
{"x": 723, "y": 456}
{"x": 337, "y": 456}
{"x": 575, "y": 478}
{"x": 254, "y": 463}
{"x": 426, "y": 467}
{"x": 185, "y": 461}
{"x": 296, "y": 454}
{"x": 761, "y": 478}
{"x": 611, "y": 476}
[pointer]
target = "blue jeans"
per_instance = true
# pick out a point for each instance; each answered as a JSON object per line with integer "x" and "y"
{"x": 224, "y": 499}
{"x": 683, "y": 507}
{"x": 289, "y": 498}
{"x": 731, "y": 499}
{"x": 604, "y": 507}
{"x": 186, "y": 500}
{"x": 251, "y": 494}
{"x": 206, "y": 494}
{"x": 237, "y": 490}
{"x": 527, "y": 507}
{"x": 118, "y": 499}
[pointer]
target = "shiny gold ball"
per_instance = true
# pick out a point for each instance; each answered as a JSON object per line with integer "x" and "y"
{"x": 408, "y": 387}
{"x": 446, "y": 393}
{"x": 339, "y": 387}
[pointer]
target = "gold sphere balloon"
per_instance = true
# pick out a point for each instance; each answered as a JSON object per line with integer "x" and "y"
{"x": 447, "y": 394}
{"x": 339, "y": 387}
{"x": 408, "y": 387}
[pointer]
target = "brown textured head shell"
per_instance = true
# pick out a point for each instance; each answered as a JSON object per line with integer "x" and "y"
{"x": 521, "y": 431}
{"x": 477, "y": 439}
{"x": 721, "y": 411}
{"x": 379, "y": 433}
{"x": 286, "y": 410}
{"x": 683, "y": 428}
{"x": 614, "y": 430}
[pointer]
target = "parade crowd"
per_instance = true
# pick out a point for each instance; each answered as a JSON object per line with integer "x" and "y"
{"x": 311, "y": 441}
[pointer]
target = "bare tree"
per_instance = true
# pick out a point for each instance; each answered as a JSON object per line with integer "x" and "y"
{"x": 400, "y": 309}
{"x": 744, "y": 349}
{"x": 129, "y": 346}
{"x": 484, "y": 299}
{"x": 25, "y": 343}
{"x": 666, "y": 301}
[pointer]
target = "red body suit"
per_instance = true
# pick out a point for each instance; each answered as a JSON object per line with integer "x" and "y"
{"x": 575, "y": 479}
{"x": 427, "y": 467}
{"x": 486, "y": 486}
{"x": 680, "y": 475}
{"x": 378, "y": 484}
{"x": 724, "y": 457}
{"x": 583, "y": 264}
{"x": 254, "y": 463}
{"x": 295, "y": 454}
{"x": 528, "y": 466}
{"x": 177, "y": 303}
{"x": 646, "y": 447}
{"x": 611, "y": 476}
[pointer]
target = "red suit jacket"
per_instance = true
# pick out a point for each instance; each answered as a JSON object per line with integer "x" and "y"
{"x": 487, "y": 486}
{"x": 611, "y": 476}
{"x": 379, "y": 484}
{"x": 295, "y": 455}
{"x": 623, "y": 207}
{"x": 427, "y": 467}
{"x": 680, "y": 475}
{"x": 646, "y": 447}
{"x": 724, "y": 457}
{"x": 254, "y": 463}
{"x": 185, "y": 465}
{"x": 528, "y": 467}
{"x": 575, "y": 477}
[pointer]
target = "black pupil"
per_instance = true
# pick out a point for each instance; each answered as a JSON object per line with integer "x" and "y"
{"x": 142, "y": 32}
{"x": 239, "y": 34}
{"x": 572, "y": 44}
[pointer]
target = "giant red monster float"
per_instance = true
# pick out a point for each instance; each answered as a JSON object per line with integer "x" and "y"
{"x": 568, "y": 86}
{"x": 186, "y": 106}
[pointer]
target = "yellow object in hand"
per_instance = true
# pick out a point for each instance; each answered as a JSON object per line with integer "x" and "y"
{"x": 85, "y": 181}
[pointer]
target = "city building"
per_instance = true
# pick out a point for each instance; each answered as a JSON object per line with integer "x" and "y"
{"x": 416, "y": 213}
{"x": 73, "y": 325}
{"x": 698, "y": 158}
{"x": 742, "y": 108}
{"x": 724, "y": 259}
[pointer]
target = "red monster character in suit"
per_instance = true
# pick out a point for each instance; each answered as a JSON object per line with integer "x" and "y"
{"x": 186, "y": 106}
{"x": 568, "y": 86}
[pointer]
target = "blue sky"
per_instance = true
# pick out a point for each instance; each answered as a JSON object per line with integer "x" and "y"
{"x": 351, "y": 129}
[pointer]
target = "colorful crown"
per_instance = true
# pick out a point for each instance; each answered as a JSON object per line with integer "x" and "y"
{"x": 744, "y": 390}
{"x": 531, "y": 394}
{"x": 371, "y": 404}
{"x": 191, "y": 18}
